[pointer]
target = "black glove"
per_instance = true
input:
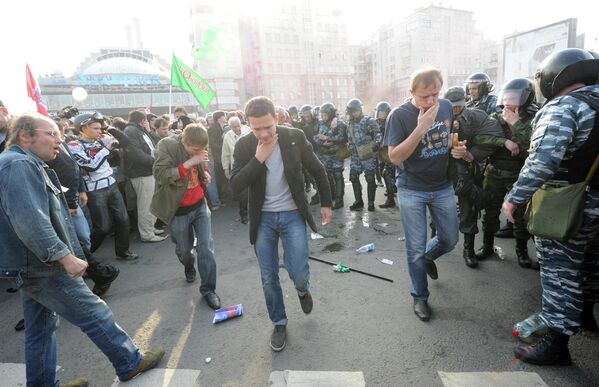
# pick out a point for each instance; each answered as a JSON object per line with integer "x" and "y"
{"x": 376, "y": 147}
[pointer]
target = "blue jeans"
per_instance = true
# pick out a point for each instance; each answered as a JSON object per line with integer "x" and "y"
{"x": 45, "y": 298}
{"x": 82, "y": 229}
{"x": 182, "y": 229}
{"x": 412, "y": 209}
{"x": 212, "y": 188}
{"x": 290, "y": 226}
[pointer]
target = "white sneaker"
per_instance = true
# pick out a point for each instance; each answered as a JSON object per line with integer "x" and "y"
{"x": 158, "y": 231}
{"x": 155, "y": 238}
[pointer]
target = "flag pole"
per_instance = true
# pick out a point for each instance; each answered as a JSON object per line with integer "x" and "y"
{"x": 170, "y": 100}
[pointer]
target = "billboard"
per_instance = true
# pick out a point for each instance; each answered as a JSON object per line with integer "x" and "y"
{"x": 523, "y": 52}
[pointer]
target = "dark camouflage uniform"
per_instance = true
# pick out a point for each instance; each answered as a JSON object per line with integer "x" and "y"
{"x": 326, "y": 154}
{"x": 569, "y": 270}
{"x": 364, "y": 131}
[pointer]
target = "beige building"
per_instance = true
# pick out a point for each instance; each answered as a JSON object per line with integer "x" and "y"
{"x": 445, "y": 38}
{"x": 295, "y": 53}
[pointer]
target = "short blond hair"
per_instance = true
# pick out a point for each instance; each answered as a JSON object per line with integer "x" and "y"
{"x": 195, "y": 135}
{"x": 425, "y": 76}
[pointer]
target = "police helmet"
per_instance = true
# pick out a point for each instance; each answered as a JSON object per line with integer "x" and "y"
{"x": 329, "y": 109}
{"x": 306, "y": 109}
{"x": 382, "y": 107}
{"x": 354, "y": 105}
{"x": 292, "y": 109}
{"x": 565, "y": 67}
{"x": 484, "y": 83}
{"x": 518, "y": 91}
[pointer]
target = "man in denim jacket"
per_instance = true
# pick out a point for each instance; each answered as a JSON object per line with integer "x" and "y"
{"x": 39, "y": 252}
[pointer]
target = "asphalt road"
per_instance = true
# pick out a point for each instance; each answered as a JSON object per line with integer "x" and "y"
{"x": 359, "y": 323}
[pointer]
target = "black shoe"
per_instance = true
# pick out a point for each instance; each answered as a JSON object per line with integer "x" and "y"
{"x": 190, "y": 273}
{"x": 315, "y": 199}
{"x": 371, "y": 206}
{"x": 551, "y": 349}
{"x": 20, "y": 325}
{"x": 488, "y": 250}
{"x": 390, "y": 203}
{"x": 522, "y": 253}
{"x": 127, "y": 256}
{"x": 507, "y": 231}
{"x": 422, "y": 310}
{"x": 470, "y": 258}
{"x": 212, "y": 300}
{"x": 244, "y": 219}
{"x": 468, "y": 253}
{"x": 358, "y": 205}
{"x": 431, "y": 270}
{"x": 306, "y": 302}
{"x": 102, "y": 285}
{"x": 278, "y": 338}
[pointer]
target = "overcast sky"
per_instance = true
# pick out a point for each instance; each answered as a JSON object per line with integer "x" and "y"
{"x": 60, "y": 34}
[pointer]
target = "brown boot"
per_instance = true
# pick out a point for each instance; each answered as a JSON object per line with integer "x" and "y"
{"x": 79, "y": 382}
{"x": 149, "y": 360}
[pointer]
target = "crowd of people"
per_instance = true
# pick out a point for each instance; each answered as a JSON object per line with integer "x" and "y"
{"x": 67, "y": 183}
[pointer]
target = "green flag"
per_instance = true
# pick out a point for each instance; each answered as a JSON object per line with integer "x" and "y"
{"x": 186, "y": 79}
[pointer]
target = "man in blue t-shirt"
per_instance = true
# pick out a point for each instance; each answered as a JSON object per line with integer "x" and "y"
{"x": 418, "y": 134}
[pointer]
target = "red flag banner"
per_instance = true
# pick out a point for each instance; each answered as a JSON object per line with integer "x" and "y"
{"x": 33, "y": 91}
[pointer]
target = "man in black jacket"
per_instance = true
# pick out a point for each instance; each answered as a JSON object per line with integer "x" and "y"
{"x": 270, "y": 163}
{"x": 139, "y": 159}
{"x": 215, "y": 141}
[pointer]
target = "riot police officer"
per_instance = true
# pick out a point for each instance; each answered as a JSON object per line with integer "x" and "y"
{"x": 293, "y": 114}
{"x": 563, "y": 148}
{"x": 471, "y": 124}
{"x": 517, "y": 99}
{"x": 331, "y": 137}
{"x": 382, "y": 110}
{"x": 309, "y": 125}
{"x": 364, "y": 138}
{"x": 478, "y": 86}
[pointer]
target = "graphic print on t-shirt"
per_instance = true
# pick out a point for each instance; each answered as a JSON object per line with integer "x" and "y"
{"x": 435, "y": 141}
{"x": 193, "y": 178}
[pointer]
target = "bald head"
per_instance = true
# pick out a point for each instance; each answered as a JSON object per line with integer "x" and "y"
{"x": 235, "y": 124}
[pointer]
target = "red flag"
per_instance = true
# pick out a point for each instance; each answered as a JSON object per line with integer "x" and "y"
{"x": 33, "y": 91}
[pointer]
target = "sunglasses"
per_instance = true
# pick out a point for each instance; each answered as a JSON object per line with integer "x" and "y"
{"x": 96, "y": 117}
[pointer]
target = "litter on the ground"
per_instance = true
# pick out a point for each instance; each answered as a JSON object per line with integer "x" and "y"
{"x": 227, "y": 313}
{"x": 385, "y": 261}
{"x": 316, "y": 235}
{"x": 340, "y": 268}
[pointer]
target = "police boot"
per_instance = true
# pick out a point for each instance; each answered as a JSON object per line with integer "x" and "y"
{"x": 358, "y": 203}
{"x": 487, "y": 249}
{"x": 551, "y": 349}
{"x": 340, "y": 188}
{"x": 588, "y": 321}
{"x": 469, "y": 255}
{"x": 331, "y": 179}
{"x": 390, "y": 203}
{"x": 371, "y": 194}
{"x": 522, "y": 253}
{"x": 507, "y": 231}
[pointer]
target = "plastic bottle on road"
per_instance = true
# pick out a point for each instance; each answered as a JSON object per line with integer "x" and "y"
{"x": 526, "y": 330}
{"x": 365, "y": 248}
